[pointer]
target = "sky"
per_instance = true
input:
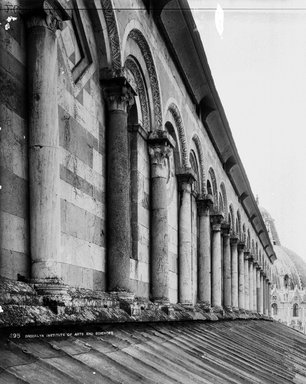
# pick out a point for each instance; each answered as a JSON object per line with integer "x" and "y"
{"x": 259, "y": 68}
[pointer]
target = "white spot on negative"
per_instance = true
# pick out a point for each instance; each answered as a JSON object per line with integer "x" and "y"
{"x": 219, "y": 20}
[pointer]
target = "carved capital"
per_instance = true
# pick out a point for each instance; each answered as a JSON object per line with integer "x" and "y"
{"x": 225, "y": 228}
{"x": 234, "y": 240}
{"x": 204, "y": 204}
{"x": 160, "y": 149}
{"x": 246, "y": 254}
{"x": 186, "y": 179}
{"x": 118, "y": 94}
{"x": 216, "y": 220}
{"x": 241, "y": 246}
{"x": 45, "y": 13}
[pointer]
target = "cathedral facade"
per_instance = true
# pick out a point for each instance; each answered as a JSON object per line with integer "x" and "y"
{"x": 288, "y": 278}
{"x": 119, "y": 171}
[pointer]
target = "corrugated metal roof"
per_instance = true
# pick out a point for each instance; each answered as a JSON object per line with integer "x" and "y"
{"x": 192, "y": 352}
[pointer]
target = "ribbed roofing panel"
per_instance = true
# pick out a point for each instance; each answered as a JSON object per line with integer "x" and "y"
{"x": 221, "y": 352}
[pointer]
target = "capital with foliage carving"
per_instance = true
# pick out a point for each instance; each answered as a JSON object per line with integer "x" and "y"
{"x": 118, "y": 94}
{"x": 46, "y": 13}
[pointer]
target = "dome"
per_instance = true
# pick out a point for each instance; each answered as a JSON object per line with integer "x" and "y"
{"x": 289, "y": 269}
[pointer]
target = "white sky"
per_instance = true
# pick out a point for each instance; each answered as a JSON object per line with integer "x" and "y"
{"x": 259, "y": 69}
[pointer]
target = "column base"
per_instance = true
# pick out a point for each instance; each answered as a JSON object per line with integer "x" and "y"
{"x": 54, "y": 292}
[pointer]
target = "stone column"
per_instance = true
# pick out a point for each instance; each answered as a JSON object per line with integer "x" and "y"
{"x": 258, "y": 295}
{"x": 261, "y": 293}
{"x": 241, "y": 287}
{"x": 269, "y": 298}
{"x": 216, "y": 296}
{"x": 185, "y": 181}
{"x": 254, "y": 286}
{"x": 234, "y": 260}
{"x": 204, "y": 270}
{"x": 160, "y": 148}
{"x": 251, "y": 284}
{"x": 264, "y": 295}
{"x": 246, "y": 281}
{"x": 227, "y": 270}
{"x": 42, "y": 23}
{"x": 119, "y": 96}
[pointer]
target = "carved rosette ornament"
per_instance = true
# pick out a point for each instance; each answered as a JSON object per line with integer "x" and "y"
{"x": 45, "y": 13}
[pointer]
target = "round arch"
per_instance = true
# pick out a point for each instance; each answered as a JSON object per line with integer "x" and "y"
{"x": 198, "y": 146}
{"x": 132, "y": 65}
{"x": 133, "y": 32}
{"x": 213, "y": 179}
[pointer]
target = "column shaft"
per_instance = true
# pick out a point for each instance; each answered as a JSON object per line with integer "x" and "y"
{"x": 269, "y": 299}
{"x": 204, "y": 271}
{"x": 261, "y": 295}
{"x": 43, "y": 150}
{"x": 119, "y": 96}
{"x": 251, "y": 283}
{"x": 185, "y": 253}
{"x": 227, "y": 275}
{"x": 234, "y": 260}
{"x": 258, "y": 290}
{"x": 216, "y": 263}
{"x": 254, "y": 288}
{"x": 246, "y": 284}
{"x": 241, "y": 288}
{"x": 160, "y": 150}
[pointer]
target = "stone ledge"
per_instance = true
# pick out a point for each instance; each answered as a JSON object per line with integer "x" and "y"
{"x": 22, "y": 306}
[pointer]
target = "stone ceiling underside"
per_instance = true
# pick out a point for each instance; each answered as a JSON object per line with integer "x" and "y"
{"x": 217, "y": 352}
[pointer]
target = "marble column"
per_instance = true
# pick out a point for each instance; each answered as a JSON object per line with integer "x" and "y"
{"x": 216, "y": 296}
{"x": 258, "y": 295}
{"x": 251, "y": 284}
{"x": 264, "y": 295}
{"x": 204, "y": 269}
{"x": 241, "y": 288}
{"x": 227, "y": 270}
{"x": 261, "y": 293}
{"x": 185, "y": 181}
{"x": 44, "y": 154}
{"x": 234, "y": 265}
{"x": 246, "y": 281}
{"x": 160, "y": 149}
{"x": 269, "y": 298}
{"x": 254, "y": 286}
{"x": 119, "y": 96}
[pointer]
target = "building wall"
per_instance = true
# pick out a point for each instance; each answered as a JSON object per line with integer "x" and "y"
{"x": 14, "y": 219}
{"x": 82, "y": 126}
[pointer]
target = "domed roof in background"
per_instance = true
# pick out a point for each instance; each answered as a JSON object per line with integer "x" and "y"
{"x": 289, "y": 269}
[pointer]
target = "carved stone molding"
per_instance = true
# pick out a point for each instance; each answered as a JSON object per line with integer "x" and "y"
{"x": 173, "y": 109}
{"x": 113, "y": 36}
{"x": 202, "y": 163}
{"x": 140, "y": 40}
{"x": 140, "y": 89}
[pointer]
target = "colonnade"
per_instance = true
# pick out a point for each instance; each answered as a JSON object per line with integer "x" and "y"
{"x": 237, "y": 282}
